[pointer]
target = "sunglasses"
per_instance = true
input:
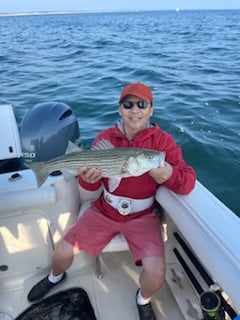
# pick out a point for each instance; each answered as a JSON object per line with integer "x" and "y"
{"x": 141, "y": 104}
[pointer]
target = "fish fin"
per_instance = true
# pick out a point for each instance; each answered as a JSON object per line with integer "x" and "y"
{"x": 71, "y": 147}
{"x": 103, "y": 145}
{"x": 113, "y": 183}
{"x": 40, "y": 173}
{"x": 68, "y": 176}
{"x": 162, "y": 159}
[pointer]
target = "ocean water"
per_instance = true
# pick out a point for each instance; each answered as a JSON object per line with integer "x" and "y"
{"x": 190, "y": 59}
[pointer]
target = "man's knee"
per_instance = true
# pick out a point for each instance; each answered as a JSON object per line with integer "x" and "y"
{"x": 64, "y": 249}
{"x": 154, "y": 266}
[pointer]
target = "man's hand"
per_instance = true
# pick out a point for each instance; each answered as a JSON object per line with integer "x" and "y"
{"x": 91, "y": 175}
{"x": 161, "y": 175}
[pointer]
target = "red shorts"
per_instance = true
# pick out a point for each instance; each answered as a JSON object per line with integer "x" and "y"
{"x": 94, "y": 231}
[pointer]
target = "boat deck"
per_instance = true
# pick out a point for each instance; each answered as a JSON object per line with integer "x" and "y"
{"x": 112, "y": 296}
{"x": 28, "y": 235}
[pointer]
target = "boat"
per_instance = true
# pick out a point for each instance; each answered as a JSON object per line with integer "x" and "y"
{"x": 201, "y": 236}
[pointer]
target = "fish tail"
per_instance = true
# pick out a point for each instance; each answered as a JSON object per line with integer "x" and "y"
{"x": 39, "y": 170}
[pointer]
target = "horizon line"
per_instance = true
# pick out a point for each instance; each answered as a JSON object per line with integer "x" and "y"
{"x": 43, "y": 12}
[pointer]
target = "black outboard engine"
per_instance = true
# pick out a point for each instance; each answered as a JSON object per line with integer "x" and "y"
{"x": 46, "y": 130}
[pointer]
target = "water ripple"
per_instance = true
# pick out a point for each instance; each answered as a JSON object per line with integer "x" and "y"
{"x": 190, "y": 59}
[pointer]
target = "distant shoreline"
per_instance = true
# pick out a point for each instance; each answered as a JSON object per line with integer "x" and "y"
{"x": 37, "y": 13}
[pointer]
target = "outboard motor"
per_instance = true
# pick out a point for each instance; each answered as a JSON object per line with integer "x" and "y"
{"x": 46, "y": 130}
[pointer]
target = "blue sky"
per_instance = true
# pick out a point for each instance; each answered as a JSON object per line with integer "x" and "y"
{"x": 59, "y": 5}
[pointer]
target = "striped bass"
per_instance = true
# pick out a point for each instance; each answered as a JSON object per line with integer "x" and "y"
{"x": 115, "y": 163}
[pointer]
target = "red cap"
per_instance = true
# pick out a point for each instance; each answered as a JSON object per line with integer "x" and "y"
{"x": 139, "y": 90}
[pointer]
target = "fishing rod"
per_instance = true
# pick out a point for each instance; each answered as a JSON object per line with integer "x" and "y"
{"x": 206, "y": 277}
{"x": 210, "y": 302}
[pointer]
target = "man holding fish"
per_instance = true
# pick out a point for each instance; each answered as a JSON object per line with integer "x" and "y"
{"x": 127, "y": 202}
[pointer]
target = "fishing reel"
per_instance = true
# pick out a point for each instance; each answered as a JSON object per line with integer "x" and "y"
{"x": 211, "y": 306}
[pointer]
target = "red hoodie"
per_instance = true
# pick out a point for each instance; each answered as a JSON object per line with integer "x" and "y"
{"x": 182, "y": 180}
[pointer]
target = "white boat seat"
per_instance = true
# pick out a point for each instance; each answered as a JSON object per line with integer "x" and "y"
{"x": 118, "y": 243}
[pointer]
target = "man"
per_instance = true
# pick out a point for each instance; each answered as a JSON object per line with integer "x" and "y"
{"x": 104, "y": 218}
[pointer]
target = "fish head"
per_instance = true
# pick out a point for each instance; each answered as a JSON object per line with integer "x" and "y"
{"x": 144, "y": 161}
